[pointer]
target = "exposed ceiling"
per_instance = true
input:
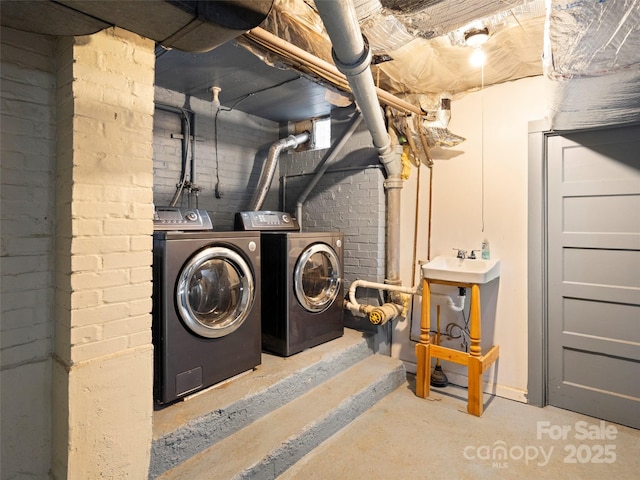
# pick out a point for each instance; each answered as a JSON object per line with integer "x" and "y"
{"x": 415, "y": 35}
{"x": 247, "y": 83}
{"x": 194, "y": 55}
{"x": 418, "y": 46}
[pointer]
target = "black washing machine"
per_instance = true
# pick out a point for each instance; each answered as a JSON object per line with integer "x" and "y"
{"x": 302, "y": 282}
{"x": 206, "y": 304}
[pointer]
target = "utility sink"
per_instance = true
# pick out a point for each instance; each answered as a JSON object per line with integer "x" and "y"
{"x": 463, "y": 270}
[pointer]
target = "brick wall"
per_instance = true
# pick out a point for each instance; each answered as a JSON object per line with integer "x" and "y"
{"x": 349, "y": 197}
{"x": 242, "y": 146}
{"x": 103, "y": 369}
{"x": 27, "y": 161}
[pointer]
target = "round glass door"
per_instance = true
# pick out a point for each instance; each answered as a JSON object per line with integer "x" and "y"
{"x": 215, "y": 292}
{"x": 317, "y": 277}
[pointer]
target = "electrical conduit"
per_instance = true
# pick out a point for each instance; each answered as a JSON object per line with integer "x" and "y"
{"x": 326, "y": 162}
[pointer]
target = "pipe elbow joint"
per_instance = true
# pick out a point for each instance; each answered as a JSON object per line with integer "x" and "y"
{"x": 359, "y": 66}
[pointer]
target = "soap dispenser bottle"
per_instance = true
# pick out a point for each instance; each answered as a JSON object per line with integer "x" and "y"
{"x": 486, "y": 251}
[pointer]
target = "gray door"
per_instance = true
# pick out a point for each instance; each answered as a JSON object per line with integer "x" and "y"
{"x": 593, "y": 293}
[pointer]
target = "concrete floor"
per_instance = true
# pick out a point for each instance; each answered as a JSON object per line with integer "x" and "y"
{"x": 405, "y": 437}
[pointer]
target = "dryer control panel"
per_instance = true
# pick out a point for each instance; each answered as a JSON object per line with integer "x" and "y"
{"x": 266, "y": 220}
{"x": 178, "y": 218}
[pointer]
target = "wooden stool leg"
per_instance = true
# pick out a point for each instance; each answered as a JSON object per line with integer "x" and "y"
{"x": 423, "y": 354}
{"x": 474, "y": 402}
{"x": 475, "y": 329}
{"x": 423, "y": 385}
{"x": 474, "y": 366}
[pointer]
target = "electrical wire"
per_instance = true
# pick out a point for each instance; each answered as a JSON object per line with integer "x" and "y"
{"x": 185, "y": 155}
{"x": 482, "y": 142}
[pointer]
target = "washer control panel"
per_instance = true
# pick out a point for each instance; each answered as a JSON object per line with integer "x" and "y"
{"x": 265, "y": 220}
{"x": 179, "y": 218}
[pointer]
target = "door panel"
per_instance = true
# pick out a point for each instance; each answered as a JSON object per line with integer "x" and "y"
{"x": 593, "y": 273}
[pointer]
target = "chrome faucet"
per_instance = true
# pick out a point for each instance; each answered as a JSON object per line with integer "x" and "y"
{"x": 462, "y": 254}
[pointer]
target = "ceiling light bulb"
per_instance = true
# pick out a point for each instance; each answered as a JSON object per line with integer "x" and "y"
{"x": 476, "y": 37}
{"x": 477, "y": 57}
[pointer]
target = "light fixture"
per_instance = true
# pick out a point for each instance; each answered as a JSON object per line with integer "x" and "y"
{"x": 475, "y": 37}
{"x": 478, "y": 57}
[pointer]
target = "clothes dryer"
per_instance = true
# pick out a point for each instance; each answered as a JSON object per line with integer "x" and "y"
{"x": 206, "y": 309}
{"x": 302, "y": 283}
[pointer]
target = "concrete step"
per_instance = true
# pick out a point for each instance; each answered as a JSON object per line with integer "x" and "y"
{"x": 267, "y": 447}
{"x": 186, "y": 428}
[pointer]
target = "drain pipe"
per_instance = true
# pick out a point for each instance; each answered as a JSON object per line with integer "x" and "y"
{"x": 269, "y": 167}
{"x": 352, "y": 56}
{"x": 326, "y": 162}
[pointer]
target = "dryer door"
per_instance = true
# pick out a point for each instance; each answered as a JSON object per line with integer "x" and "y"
{"x": 215, "y": 292}
{"x": 317, "y": 277}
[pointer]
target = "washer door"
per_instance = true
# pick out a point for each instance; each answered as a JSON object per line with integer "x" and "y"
{"x": 215, "y": 292}
{"x": 317, "y": 277}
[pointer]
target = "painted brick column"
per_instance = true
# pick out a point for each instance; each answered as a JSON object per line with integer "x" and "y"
{"x": 103, "y": 362}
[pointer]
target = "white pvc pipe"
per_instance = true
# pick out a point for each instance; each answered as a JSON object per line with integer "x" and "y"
{"x": 449, "y": 301}
{"x": 377, "y": 286}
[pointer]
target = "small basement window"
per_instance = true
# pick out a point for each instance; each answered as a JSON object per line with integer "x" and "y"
{"x": 321, "y": 133}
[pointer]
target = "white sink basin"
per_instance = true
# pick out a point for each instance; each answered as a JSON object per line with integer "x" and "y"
{"x": 453, "y": 269}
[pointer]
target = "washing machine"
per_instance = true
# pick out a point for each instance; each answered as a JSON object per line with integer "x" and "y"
{"x": 206, "y": 304}
{"x": 302, "y": 282}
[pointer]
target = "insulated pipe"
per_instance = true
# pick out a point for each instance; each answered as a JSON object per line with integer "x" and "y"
{"x": 321, "y": 68}
{"x": 326, "y": 161}
{"x": 269, "y": 168}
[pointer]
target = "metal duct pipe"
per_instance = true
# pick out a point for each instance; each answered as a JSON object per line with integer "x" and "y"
{"x": 326, "y": 161}
{"x": 269, "y": 167}
{"x": 352, "y": 56}
{"x": 190, "y": 25}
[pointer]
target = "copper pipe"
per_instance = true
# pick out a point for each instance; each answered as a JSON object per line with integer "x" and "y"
{"x": 320, "y": 67}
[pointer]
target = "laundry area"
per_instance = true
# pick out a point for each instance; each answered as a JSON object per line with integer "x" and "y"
{"x": 331, "y": 239}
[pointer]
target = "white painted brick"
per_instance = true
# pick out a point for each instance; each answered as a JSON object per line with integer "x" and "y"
{"x": 128, "y": 260}
{"x": 141, "y": 242}
{"x": 140, "y": 307}
{"x": 96, "y": 245}
{"x": 122, "y": 226}
{"x": 100, "y": 314}
{"x": 142, "y": 274}
{"x": 127, "y": 326}
{"x": 95, "y": 210}
{"x": 140, "y": 338}
{"x": 89, "y": 351}
{"x": 86, "y": 334}
{"x": 127, "y": 292}
{"x": 96, "y": 280}
{"x": 85, "y": 299}
{"x": 84, "y": 227}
